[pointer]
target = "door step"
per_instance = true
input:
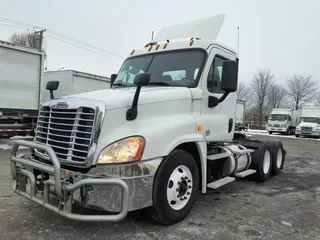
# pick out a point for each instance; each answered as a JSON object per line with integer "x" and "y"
{"x": 221, "y": 182}
{"x": 245, "y": 173}
{"x": 219, "y": 156}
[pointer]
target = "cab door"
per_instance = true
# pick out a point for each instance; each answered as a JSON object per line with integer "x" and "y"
{"x": 218, "y": 121}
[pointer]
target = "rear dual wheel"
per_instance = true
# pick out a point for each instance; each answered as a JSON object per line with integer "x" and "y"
{"x": 262, "y": 162}
{"x": 278, "y": 156}
{"x": 268, "y": 159}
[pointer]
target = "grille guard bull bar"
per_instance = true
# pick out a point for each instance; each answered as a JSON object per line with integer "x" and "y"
{"x": 63, "y": 190}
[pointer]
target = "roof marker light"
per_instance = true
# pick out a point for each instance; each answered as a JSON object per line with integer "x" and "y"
{"x": 165, "y": 45}
{"x": 150, "y": 48}
{"x": 157, "y": 46}
{"x": 191, "y": 42}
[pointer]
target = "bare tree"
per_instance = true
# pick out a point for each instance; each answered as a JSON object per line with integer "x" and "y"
{"x": 301, "y": 89}
{"x": 276, "y": 96}
{"x": 317, "y": 100}
{"x": 261, "y": 85}
{"x": 242, "y": 91}
{"x": 28, "y": 39}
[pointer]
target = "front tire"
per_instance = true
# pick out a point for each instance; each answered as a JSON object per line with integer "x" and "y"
{"x": 175, "y": 187}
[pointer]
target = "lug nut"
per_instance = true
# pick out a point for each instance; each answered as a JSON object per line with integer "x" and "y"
{"x": 185, "y": 198}
{"x": 189, "y": 186}
{"x": 186, "y": 177}
{"x": 189, "y": 181}
{"x": 188, "y": 193}
{"x": 181, "y": 199}
{"x": 182, "y": 178}
{"x": 177, "y": 190}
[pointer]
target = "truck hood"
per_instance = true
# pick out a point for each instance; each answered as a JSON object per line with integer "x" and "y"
{"x": 308, "y": 124}
{"x": 123, "y": 97}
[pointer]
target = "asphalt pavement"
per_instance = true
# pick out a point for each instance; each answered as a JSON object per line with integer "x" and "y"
{"x": 287, "y": 206}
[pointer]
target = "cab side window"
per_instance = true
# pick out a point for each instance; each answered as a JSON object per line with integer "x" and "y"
{"x": 214, "y": 78}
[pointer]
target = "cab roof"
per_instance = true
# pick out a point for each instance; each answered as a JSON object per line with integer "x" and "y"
{"x": 199, "y": 33}
{"x": 178, "y": 44}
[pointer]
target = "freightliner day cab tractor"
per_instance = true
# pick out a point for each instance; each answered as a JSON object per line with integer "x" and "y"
{"x": 160, "y": 135}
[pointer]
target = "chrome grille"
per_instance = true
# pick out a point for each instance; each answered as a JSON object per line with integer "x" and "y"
{"x": 306, "y": 128}
{"x": 68, "y": 131}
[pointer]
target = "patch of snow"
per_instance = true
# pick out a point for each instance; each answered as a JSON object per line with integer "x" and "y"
{"x": 286, "y": 223}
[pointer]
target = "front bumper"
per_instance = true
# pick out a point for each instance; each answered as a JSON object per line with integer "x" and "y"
{"x": 103, "y": 188}
{"x": 277, "y": 129}
{"x": 307, "y": 133}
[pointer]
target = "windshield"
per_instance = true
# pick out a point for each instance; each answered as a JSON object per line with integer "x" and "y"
{"x": 310, "y": 119}
{"x": 175, "y": 68}
{"x": 278, "y": 117}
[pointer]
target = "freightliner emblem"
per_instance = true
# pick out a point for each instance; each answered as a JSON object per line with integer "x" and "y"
{"x": 61, "y": 105}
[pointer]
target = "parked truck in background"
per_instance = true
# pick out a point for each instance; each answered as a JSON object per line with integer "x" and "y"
{"x": 73, "y": 82}
{"x": 21, "y": 73}
{"x": 22, "y": 87}
{"x": 309, "y": 125}
{"x": 240, "y": 113}
{"x": 154, "y": 140}
{"x": 283, "y": 121}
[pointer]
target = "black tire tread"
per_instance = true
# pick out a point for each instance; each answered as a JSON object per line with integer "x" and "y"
{"x": 162, "y": 212}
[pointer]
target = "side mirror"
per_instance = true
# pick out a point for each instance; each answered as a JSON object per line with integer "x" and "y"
{"x": 112, "y": 79}
{"x": 52, "y": 86}
{"x": 229, "y": 82}
{"x": 229, "y": 79}
{"x": 140, "y": 80}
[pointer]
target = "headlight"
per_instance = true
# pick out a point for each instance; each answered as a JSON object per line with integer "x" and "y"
{"x": 297, "y": 128}
{"x": 126, "y": 150}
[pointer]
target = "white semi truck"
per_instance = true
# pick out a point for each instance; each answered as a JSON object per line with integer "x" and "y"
{"x": 21, "y": 74}
{"x": 283, "y": 121}
{"x": 161, "y": 134}
{"x": 309, "y": 125}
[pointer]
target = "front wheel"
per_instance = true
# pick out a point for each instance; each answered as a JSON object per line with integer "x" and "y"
{"x": 175, "y": 187}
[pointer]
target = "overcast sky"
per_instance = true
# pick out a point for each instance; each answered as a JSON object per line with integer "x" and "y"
{"x": 283, "y": 35}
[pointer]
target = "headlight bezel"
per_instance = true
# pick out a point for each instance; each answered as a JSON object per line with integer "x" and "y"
{"x": 139, "y": 151}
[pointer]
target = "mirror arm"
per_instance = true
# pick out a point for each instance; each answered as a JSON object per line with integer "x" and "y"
{"x": 132, "y": 113}
{"x": 213, "y": 101}
{"x": 223, "y": 97}
{"x": 51, "y": 94}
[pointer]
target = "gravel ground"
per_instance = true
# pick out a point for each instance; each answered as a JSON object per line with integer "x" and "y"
{"x": 287, "y": 206}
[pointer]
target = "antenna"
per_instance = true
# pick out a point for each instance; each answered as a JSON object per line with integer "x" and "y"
{"x": 152, "y": 33}
{"x": 238, "y": 43}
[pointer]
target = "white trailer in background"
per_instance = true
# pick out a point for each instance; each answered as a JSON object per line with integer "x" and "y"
{"x": 283, "y": 121}
{"x": 309, "y": 125}
{"x": 21, "y": 70}
{"x": 73, "y": 82}
{"x": 240, "y": 111}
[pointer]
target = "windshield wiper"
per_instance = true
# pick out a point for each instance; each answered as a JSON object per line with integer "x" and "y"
{"x": 159, "y": 83}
